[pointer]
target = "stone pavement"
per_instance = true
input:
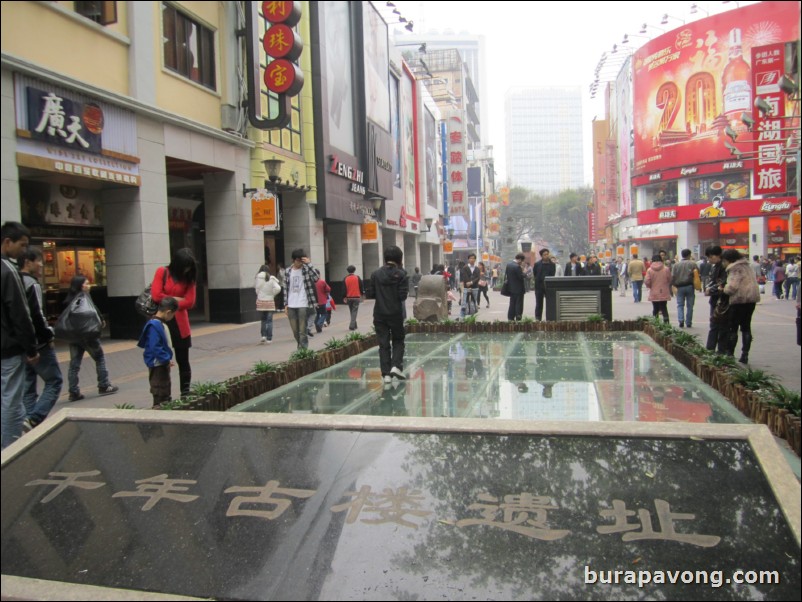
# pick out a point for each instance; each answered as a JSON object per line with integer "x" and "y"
{"x": 221, "y": 351}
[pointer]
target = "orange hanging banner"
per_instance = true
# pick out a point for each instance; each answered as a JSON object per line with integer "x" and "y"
{"x": 264, "y": 210}
{"x": 370, "y": 232}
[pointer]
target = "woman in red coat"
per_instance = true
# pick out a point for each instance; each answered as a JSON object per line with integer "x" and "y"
{"x": 179, "y": 282}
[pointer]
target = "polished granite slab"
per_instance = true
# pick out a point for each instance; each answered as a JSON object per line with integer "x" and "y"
{"x": 615, "y": 376}
{"x": 253, "y": 509}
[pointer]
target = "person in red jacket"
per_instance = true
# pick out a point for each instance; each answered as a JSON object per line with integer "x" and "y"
{"x": 322, "y": 289}
{"x": 179, "y": 283}
{"x": 354, "y": 289}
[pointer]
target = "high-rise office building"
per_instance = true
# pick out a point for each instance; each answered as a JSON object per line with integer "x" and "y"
{"x": 543, "y": 131}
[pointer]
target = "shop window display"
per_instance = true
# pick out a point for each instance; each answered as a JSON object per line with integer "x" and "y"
{"x": 730, "y": 187}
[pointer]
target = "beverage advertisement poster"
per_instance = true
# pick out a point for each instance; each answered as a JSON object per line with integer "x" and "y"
{"x": 692, "y": 82}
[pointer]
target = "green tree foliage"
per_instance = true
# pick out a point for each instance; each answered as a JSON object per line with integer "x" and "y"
{"x": 559, "y": 222}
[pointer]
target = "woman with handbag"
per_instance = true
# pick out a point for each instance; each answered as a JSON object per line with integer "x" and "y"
{"x": 743, "y": 293}
{"x": 179, "y": 283}
{"x": 267, "y": 287}
{"x": 88, "y": 341}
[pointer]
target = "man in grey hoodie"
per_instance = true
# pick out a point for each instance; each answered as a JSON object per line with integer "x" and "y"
{"x": 390, "y": 287}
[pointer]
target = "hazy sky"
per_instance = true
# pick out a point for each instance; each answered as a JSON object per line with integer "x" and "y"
{"x": 548, "y": 43}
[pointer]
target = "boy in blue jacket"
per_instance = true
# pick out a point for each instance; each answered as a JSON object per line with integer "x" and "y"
{"x": 158, "y": 354}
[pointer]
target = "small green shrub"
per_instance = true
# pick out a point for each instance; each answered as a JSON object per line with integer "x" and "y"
{"x": 595, "y": 318}
{"x": 334, "y": 343}
{"x": 302, "y": 354}
{"x": 125, "y": 406}
{"x": 201, "y": 389}
{"x": 754, "y": 379}
{"x": 261, "y": 367}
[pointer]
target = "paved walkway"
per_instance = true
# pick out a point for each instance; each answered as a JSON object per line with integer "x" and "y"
{"x": 221, "y": 351}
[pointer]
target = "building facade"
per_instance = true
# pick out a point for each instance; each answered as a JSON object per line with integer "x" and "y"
{"x": 544, "y": 147}
{"x": 701, "y": 164}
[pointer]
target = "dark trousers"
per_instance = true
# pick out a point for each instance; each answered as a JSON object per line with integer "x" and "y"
{"x": 390, "y": 330}
{"x": 516, "y": 309}
{"x": 160, "y": 384}
{"x": 181, "y": 356}
{"x": 540, "y": 296}
{"x": 718, "y": 336}
{"x": 741, "y": 320}
{"x": 660, "y": 307}
{"x": 353, "y": 306}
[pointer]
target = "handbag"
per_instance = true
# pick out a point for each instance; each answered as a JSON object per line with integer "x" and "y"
{"x": 482, "y": 283}
{"x": 79, "y": 321}
{"x": 697, "y": 280}
{"x": 144, "y": 304}
{"x": 721, "y": 313}
{"x": 505, "y": 289}
{"x": 265, "y": 305}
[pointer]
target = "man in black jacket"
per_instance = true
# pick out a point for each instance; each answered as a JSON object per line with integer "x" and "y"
{"x": 573, "y": 267}
{"x": 713, "y": 288}
{"x": 37, "y": 407}
{"x": 594, "y": 267}
{"x": 543, "y": 269}
{"x": 390, "y": 287}
{"x": 515, "y": 284}
{"x": 18, "y": 334}
{"x": 469, "y": 278}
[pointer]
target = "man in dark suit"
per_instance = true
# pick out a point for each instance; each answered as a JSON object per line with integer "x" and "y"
{"x": 543, "y": 269}
{"x": 573, "y": 267}
{"x": 593, "y": 268}
{"x": 515, "y": 280}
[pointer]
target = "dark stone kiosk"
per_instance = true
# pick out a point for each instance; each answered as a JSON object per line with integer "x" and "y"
{"x": 277, "y": 507}
{"x": 577, "y": 297}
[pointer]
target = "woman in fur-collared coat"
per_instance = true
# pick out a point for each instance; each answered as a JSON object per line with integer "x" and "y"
{"x": 743, "y": 293}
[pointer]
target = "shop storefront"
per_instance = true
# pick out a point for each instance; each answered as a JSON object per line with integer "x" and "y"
{"x": 731, "y": 224}
{"x": 71, "y": 150}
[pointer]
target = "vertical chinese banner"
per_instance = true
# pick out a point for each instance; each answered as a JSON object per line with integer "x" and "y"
{"x": 456, "y": 167}
{"x": 769, "y": 173}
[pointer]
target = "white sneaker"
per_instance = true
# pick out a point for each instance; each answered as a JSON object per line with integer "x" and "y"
{"x": 397, "y": 373}
{"x": 263, "y": 341}
{"x": 387, "y": 379}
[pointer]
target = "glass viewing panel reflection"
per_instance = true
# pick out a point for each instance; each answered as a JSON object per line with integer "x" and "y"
{"x": 523, "y": 376}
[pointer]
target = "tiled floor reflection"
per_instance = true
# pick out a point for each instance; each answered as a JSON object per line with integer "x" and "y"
{"x": 525, "y": 376}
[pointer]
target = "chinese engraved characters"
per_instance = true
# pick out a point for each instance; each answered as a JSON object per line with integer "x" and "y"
{"x": 665, "y": 517}
{"x": 265, "y": 497}
{"x": 523, "y": 513}
{"x": 391, "y": 506}
{"x": 160, "y": 487}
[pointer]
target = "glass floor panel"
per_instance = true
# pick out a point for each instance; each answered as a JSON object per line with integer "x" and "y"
{"x": 523, "y": 376}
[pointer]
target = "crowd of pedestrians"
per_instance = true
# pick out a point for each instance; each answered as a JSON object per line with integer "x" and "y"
{"x": 732, "y": 284}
